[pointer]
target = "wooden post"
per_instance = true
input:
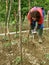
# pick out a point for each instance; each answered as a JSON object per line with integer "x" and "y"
{"x": 9, "y": 17}
{"x": 29, "y": 4}
{"x": 20, "y": 34}
{"x": 6, "y": 17}
{"x": 48, "y": 18}
{"x": 16, "y": 20}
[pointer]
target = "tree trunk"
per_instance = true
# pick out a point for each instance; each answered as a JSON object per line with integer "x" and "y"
{"x": 20, "y": 34}
{"x": 15, "y": 15}
{"x": 29, "y": 4}
{"x": 48, "y": 19}
{"x": 6, "y": 17}
{"x": 9, "y": 17}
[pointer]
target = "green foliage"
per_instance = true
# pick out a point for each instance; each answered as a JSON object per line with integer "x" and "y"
{"x": 2, "y": 11}
{"x": 13, "y": 22}
{"x": 24, "y": 40}
{"x": 47, "y": 56}
{"x": 17, "y": 60}
{"x": 7, "y": 45}
{"x": 24, "y": 7}
{"x": 17, "y": 36}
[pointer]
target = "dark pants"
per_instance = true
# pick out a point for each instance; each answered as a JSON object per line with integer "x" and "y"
{"x": 39, "y": 27}
{"x": 32, "y": 25}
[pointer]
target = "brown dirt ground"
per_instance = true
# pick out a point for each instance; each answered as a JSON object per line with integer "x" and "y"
{"x": 33, "y": 53}
{"x": 9, "y": 52}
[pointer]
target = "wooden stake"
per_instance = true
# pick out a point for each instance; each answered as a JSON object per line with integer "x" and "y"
{"x": 48, "y": 18}
{"x": 20, "y": 34}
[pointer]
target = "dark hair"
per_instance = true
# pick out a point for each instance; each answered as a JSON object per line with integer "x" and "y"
{"x": 35, "y": 14}
{"x": 42, "y": 8}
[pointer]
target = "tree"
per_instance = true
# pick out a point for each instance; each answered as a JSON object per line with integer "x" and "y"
{"x": 25, "y": 5}
{"x": 20, "y": 28}
{"x": 29, "y": 4}
{"x": 7, "y": 17}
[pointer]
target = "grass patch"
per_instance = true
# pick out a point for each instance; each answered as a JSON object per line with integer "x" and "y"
{"x": 7, "y": 44}
{"x": 24, "y": 40}
{"x": 47, "y": 56}
{"x": 17, "y": 60}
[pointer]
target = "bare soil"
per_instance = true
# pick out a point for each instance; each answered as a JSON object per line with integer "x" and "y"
{"x": 33, "y": 53}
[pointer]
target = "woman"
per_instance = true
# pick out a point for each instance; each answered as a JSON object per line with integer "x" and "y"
{"x": 36, "y": 15}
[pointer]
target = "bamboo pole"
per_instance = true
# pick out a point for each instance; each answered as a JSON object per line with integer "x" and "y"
{"x": 29, "y": 5}
{"x": 48, "y": 18}
{"x": 6, "y": 17}
{"x": 9, "y": 16}
{"x": 15, "y": 15}
{"x": 20, "y": 34}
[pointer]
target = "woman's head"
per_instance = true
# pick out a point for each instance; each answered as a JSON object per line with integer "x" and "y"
{"x": 35, "y": 15}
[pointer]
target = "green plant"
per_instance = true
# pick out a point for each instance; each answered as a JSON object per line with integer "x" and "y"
{"x": 16, "y": 36}
{"x": 7, "y": 44}
{"x": 17, "y": 60}
{"x": 47, "y": 56}
{"x": 24, "y": 40}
